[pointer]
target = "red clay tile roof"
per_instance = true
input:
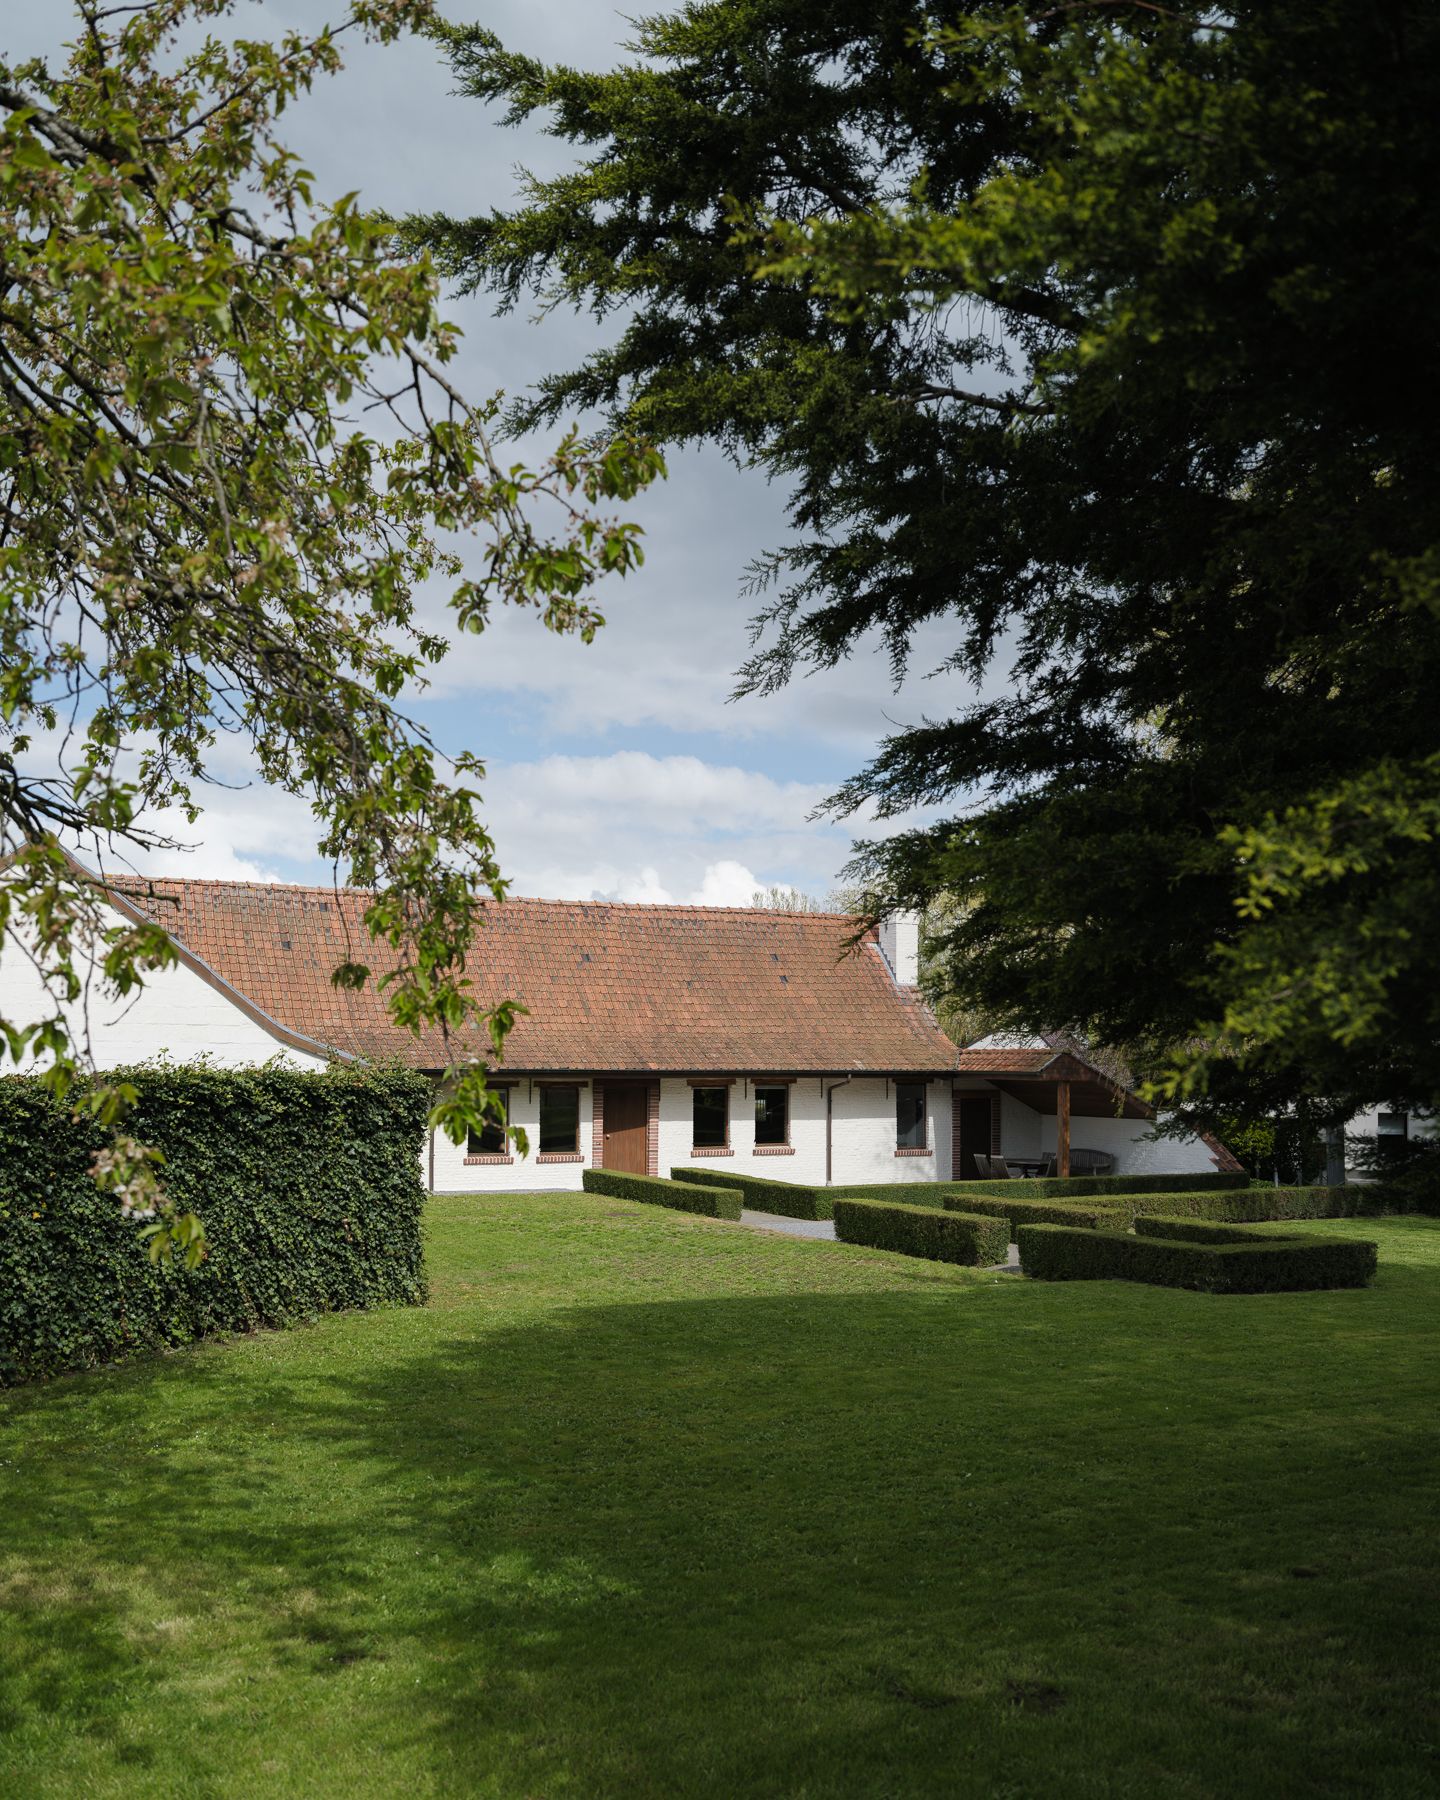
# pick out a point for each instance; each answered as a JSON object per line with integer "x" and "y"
{"x": 609, "y": 987}
{"x": 1007, "y": 1062}
{"x": 1225, "y": 1159}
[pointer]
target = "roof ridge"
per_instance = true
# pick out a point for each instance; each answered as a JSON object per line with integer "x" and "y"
{"x": 336, "y": 888}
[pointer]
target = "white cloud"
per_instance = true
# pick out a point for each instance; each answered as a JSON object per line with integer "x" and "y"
{"x": 677, "y": 631}
{"x": 239, "y": 837}
{"x": 244, "y": 830}
{"x": 666, "y": 793}
{"x": 632, "y": 826}
{"x": 725, "y": 884}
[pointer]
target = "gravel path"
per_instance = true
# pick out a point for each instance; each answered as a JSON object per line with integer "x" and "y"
{"x": 811, "y": 1228}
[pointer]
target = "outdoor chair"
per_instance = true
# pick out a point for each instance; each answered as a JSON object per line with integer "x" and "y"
{"x": 1091, "y": 1162}
{"x": 1051, "y": 1164}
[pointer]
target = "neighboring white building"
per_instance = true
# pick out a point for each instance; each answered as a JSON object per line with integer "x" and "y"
{"x": 653, "y": 1036}
{"x": 1391, "y": 1123}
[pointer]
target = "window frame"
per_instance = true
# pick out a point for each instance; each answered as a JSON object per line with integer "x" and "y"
{"x": 476, "y": 1149}
{"x": 697, "y": 1088}
{"x": 1391, "y": 1112}
{"x": 772, "y": 1087}
{"x": 570, "y": 1152}
{"x": 923, "y": 1147}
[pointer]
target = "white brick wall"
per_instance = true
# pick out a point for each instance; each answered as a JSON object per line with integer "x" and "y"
{"x": 807, "y": 1132}
{"x": 1022, "y": 1129}
{"x": 864, "y": 1139}
{"x": 1124, "y": 1139}
{"x": 899, "y": 937}
{"x": 864, "y": 1134}
{"x": 453, "y": 1175}
{"x": 176, "y": 1014}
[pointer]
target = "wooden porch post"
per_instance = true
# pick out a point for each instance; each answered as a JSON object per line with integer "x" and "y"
{"x": 1062, "y": 1128}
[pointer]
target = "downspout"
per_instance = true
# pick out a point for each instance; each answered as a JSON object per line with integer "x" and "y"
{"x": 829, "y": 1122}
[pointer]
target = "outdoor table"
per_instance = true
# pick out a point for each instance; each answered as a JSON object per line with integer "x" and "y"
{"x": 1028, "y": 1165}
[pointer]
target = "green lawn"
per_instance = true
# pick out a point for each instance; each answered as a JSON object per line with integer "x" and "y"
{"x": 650, "y": 1505}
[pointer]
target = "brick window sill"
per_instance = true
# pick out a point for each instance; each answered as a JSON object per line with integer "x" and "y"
{"x": 774, "y": 1149}
{"x": 554, "y": 1156}
{"x": 470, "y": 1161}
{"x": 914, "y": 1152}
{"x": 710, "y": 1150}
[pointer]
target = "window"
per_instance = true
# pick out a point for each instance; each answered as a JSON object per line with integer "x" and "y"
{"x": 772, "y": 1115}
{"x": 712, "y": 1118}
{"x": 1392, "y": 1124}
{"x": 910, "y": 1115}
{"x": 559, "y": 1121}
{"x": 490, "y": 1139}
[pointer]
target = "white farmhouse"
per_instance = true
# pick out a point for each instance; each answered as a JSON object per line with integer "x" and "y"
{"x": 653, "y": 1036}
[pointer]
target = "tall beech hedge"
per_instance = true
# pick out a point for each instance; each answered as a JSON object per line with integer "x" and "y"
{"x": 308, "y": 1184}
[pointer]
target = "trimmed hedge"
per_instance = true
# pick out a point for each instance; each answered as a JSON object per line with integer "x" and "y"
{"x": 921, "y": 1231}
{"x": 903, "y": 1193}
{"x": 1199, "y": 1231}
{"x": 308, "y": 1186}
{"x": 1275, "y": 1265}
{"x": 1054, "y": 1187}
{"x": 809, "y": 1200}
{"x": 790, "y": 1199}
{"x": 1038, "y": 1212}
{"x": 1251, "y": 1206}
{"x": 709, "y": 1202}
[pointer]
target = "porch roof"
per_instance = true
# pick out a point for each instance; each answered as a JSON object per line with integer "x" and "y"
{"x": 1033, "y": 1076}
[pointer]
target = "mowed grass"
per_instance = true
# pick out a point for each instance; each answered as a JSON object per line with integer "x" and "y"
{"x": 651, "y": 1505}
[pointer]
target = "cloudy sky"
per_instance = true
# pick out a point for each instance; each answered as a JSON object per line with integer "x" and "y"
{"x": 619, "y": 769}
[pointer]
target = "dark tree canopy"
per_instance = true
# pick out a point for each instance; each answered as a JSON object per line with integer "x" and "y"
{"x": 1106, "y": 335}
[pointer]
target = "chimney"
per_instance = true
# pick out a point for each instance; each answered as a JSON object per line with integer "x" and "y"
{"x": 900, "y": 946}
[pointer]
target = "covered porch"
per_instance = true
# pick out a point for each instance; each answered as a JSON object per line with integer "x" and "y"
{"x": 1044, "y": 1111}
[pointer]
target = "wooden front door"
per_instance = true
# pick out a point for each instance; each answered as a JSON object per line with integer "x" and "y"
{"x": 974, "y": 1136}
{"x": 627, "y": 1110}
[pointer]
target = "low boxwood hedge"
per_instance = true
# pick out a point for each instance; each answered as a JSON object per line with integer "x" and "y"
{"x": 308, "y": 1186}
{"x": 904, "y": 1193}
{"x": 1252, "y": 1205}
{"x": 1088, "y": 1187}
{"x": 1199, "y": 1231}
{"x": 709, "y": 1202}
{"x": 1036, "y": 1212}
{"x": 921, "y": 1231}
{"x": 808, "y": 1200}
{"x": 790, "y": 1199}
{"x": 1274, "y": 1265}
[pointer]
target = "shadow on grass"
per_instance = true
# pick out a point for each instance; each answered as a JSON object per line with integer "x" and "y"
{"x": 841, "y": 1544}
